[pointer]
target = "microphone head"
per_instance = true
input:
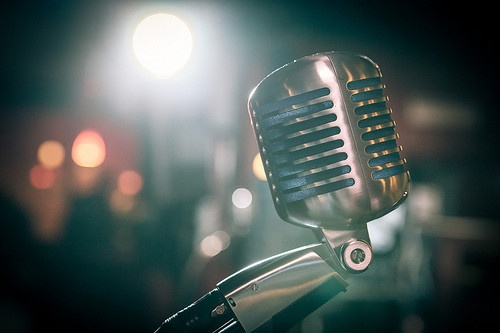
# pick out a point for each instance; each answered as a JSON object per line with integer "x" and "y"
{"x": 327, "y": 141}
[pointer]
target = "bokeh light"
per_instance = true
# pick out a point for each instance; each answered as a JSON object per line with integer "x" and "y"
{"x": 215, "y": 243}
{"x": 88, "y": 149}
{"x": 162, "y": 43}
{"x": 258, "y": 168}
{"x": 242, "y": 198}
{"x": 42, "y": 178}
{"x": 130, "y": 182}
{"x": 51, "y": 154}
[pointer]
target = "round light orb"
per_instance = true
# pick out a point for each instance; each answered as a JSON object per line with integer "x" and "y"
{"x": 89, "y": 149}
{"x": 242, "y": 198}
{"x": 162, "y": 43}
{"x": 51, "y": 154}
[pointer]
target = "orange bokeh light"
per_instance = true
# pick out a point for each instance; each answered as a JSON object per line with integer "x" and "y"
{"x": 130, "y": 182}
{"x": 51, "y": 154}
{"x": 42, "y": 178}
{"x": 88, "y": 149}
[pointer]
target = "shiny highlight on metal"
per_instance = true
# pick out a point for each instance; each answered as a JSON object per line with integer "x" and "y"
{"x": 264, "y": 291}
{"x": 328, "y": 142}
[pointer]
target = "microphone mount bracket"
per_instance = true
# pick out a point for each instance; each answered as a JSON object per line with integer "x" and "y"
{"x": 352, "y": 246}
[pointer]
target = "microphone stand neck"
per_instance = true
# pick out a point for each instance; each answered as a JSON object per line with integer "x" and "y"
{"x": 283, "y": 289}
{"x": 278, "y": 292}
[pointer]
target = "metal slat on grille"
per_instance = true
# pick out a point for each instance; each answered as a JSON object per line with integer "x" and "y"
{"x": 300, "y": 146}
{"x": 376, "y": 119}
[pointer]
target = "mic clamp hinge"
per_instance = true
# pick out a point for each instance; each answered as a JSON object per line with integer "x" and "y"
{"x": 352, "y": 247}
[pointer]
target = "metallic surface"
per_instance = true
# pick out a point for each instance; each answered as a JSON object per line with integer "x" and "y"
{"x": 357, "y": 255}
{"x": 260, "y": 291}
{"x": 327, "y": 142}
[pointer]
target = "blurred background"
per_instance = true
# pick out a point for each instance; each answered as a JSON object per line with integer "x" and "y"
{"x": 126, "y": 195}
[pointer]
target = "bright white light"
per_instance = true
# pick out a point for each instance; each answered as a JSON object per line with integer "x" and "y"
{"x": 162, "y": 44}
{"x": 215, "y": 243}
{"x": 242, "y": 198}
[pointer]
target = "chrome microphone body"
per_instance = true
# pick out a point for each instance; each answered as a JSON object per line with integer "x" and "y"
{"x": 327, "y": 141}
{"x": 328, "y": 146}
{"x": 329, "y": 149}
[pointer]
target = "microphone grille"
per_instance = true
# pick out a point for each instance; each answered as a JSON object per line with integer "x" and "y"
{"x": 377, "y": 126}
{"x": 327, "y": 141}
{"x": 300, "y": 141}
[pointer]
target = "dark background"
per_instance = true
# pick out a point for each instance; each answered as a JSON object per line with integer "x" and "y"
{"x": 102, "y": 272}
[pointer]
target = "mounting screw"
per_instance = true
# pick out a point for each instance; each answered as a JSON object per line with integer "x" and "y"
{"x": 218, "y": 310}
{"x": 357, "y": 256}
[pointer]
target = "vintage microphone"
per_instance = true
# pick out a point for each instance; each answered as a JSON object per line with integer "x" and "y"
{"x": 329, "y": 149}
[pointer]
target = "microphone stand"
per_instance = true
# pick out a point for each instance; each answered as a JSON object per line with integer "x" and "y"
{"x": 276, "y": 293}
